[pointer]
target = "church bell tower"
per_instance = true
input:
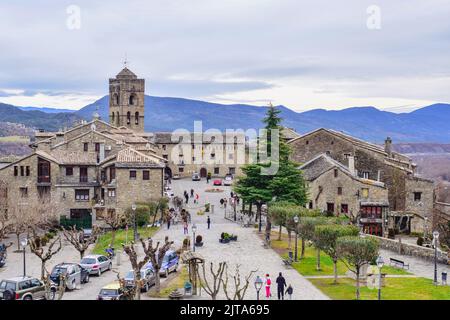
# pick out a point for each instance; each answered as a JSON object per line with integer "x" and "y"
{"x": 126, "y": 101}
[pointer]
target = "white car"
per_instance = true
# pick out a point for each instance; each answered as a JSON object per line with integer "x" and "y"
{"x": 169, "y": 193}
{"x": 228, "y": 181}
{"x": 96, "y": 264}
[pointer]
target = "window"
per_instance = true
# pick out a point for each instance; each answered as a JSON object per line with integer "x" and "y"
{"x": 82, "y": 194}
{"x": 339, "y": 191}
{"x": 216, "y": 170}
{"x": 180, "y": 170}
{"x": 335, "y": 173}
{"x": 27, "y": 171}
{"x": 128, "y": 117}
{"x": 193, "y": 159}
{"x": 310, "y": 204}
{"x": 23, "y": 192}
{"x": 111, "y": 193}
{"x": 164, "y": 147}
{"x": 83, "y": 174}
{"x": 165, "y": 156}
{"x": 112, "y": 173}
{"x": 365, "y": 192}
{"x": 16, "y": 171}
{"x": 330, "y": 207}
{"x": 69, "y": 171}
{"x": 365, "y": 174}
{"x": 213, "y": 155}
{"x": 132, "y": 174}
{"x": 136, "y": 118}
{"x": 417, "y": 196}
{"x": 103, "y": 175}
{"x": 230, "y": 156}
{"x": 307, "y": 142}
{"x": 145, "y": 175}
{"x": 132, "y": 99}
{"x": 97, "y": 147}
{"x": 22, "y": 171}
{"x": 232, "y": 170}
{"x": 344, "y": 208}
{"x": 86, "y": 147}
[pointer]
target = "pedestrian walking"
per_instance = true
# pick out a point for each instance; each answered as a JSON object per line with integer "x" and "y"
{"x": 281, "y": 283}
{"x": 268, "y": 283}
{"x": 186, "y": 196}
{"x": 185, "y": 228}
{"x": 169, "y": 217}
{"x": 196, "y": 198}
{"x": 208, "y": 221}
{"x": 289, "y": 291}
{"x": 192, "y": 193}
{"x": 221, "y": 203}
{"x": 225, "y": 202}
{"x": 231, "y": 194}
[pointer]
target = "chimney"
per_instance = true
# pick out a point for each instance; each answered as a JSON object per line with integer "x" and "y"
{"x": 351, "y": 164}
{"x": 388, "y": 146}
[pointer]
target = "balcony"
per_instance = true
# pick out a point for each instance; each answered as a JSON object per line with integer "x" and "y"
{"x": 83, "y": 179}
{"x": 43, "y": 179}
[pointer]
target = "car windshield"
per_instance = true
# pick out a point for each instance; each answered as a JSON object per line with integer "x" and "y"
{"x": 108, "y": 292}
{"x": 88, "y": 261}
{"x": 58, "y": 270}
{"x": 5, "y": 285}
{"x": 130, "y": 275}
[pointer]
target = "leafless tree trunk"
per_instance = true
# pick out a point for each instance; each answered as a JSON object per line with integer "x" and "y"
{"x": 37, "y": 248}
{"x": 156, "y": 258}
{"x": 76, "y": 239}
{"x": 216, "y": 282}
{"x": 239, "y": 288}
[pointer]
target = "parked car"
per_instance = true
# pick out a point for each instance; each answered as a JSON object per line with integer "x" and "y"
{"x": 87, "y": 233}
{"x": 176, "y": 177}
{"x": 196, "y": 176}
{"x": 217, "y": 182}
{"x": 228, "y": 180}
{"x": 112, "y": 291}
{"x": 75, "y": 274}
{"x": 147, "y": 275}
{"x": 169, "y": 264}
{"x": 96, "y": 264}
{"x": 24, "y": 288}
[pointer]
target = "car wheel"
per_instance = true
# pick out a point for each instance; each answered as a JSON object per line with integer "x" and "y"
{"x": 52, "y": 294}
{"x": 167, "y": 272}
{"x": 28, "y": 298}
{"x": 110, "y": 267}
{"x": 74, "y": 285}
{"x": 99, "y": 272}
{"x": 146, "y": 287}
{"x": 176, "y": 268}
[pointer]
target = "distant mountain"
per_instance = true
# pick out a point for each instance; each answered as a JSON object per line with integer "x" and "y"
{"x": 37, "y": 119}
{"x": 428, "y": 124}
{"x": 44, "y": 109}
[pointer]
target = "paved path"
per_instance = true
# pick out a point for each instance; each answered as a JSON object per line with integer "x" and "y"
{"x": 248, "y": 251}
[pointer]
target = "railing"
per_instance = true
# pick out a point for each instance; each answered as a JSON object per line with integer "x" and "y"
{"x": 83, "y": 179}
{"x": 43, "y": 179}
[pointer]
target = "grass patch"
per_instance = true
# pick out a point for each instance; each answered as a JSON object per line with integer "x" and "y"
{"x": 168, "y": 286}
{"x": 105, "y": 239}
{"x": 395, "y": 289}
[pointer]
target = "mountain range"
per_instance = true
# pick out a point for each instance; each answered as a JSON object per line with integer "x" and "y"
{"x": 427, "y": 124}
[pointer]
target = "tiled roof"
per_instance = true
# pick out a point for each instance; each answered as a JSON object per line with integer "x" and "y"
{"x": 130, "y": 155}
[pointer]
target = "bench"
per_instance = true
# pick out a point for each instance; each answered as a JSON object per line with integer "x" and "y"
{"x": 398, "y": 263}
{"x": 289, "y": 260}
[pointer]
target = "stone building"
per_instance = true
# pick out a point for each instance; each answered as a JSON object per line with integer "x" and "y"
{"x": 338, "y": 190}
{"x": 410, "y": 196}
{"x": 94, "y": 168}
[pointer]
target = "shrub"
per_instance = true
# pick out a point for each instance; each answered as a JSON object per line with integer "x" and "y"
{"x": 44, "y": 240}
{"x": 198, "y": 239}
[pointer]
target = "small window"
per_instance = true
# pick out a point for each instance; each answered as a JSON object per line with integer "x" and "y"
{"x": 111, "y": 193}
{"x": 339, "y": 191}
{"x": 307, "y": 142}
{"x": 69, "y": 171}
{"x": 213, "y": 155}
{"x": 128, "y": 117}
{"x": 23, "y": 192}
{"x": 180, "y": 170}
{"x": 82, "y": 195}
{"x": 164, "y": 147}
{"x": 86, "y": 147}
{"x": 16, "y": 171}
{"x": 417, "y": 196}
{"x": 365, "y": 174}
{"x": 145, "y": 175}
{"x": 335, "y": 173}
{"x": 232, "y": 170}
{"x": 133, "y": 174}
{"x": 27, "y": 171}
{"x": 165, "y": 156}
{"x": 97, "y": 147}
{"x": 22, "y": 171}
{"x": 216, "y": 170}
{"x": 344, "y": 208}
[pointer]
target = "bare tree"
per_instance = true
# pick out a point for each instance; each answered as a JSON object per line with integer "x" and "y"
{"x": 212, "y": 288}
{"x": 78, "y": 241}
{"x": 240, "y": 288}
{"x": 115, "y": 221}
{"x": 128, "y": 293}
{"x": 37, "y": 247}
{"x": 50, "y": 290}
{"x": 156, "y": 257}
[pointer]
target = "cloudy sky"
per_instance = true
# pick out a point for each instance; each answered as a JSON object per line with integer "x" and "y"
{"x": 302, "y": 54}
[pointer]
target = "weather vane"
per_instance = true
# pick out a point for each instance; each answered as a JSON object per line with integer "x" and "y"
{"x": 125, "y": 62}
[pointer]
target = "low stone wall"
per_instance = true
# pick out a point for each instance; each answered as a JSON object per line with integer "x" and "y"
{"x": 411, "y": 249}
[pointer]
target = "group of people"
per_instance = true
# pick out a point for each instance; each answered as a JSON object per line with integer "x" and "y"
{"x": 281, "y": 286}
{"x": 192, "y": 195}
{"x": 234, "y": 200}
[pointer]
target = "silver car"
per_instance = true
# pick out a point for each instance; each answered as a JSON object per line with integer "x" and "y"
{"x": 96, "y": 263}
{"x": 74, "y": 273}
{"x": 146, "y": 274}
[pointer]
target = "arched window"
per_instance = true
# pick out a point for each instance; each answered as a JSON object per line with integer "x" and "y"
{"x": 116, "y": 99}
{"x": 112, "y": 118}
{"x": 132, "y": 99}
{"x": 136, "y": 118}
{"x": 117, "y": 119}
{"x": 128, "y": 117}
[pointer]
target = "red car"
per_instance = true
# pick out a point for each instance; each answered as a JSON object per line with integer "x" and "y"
{"x": 217, "y": 182}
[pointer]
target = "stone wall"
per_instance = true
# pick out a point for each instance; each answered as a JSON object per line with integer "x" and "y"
{"x": 411, "y": 249}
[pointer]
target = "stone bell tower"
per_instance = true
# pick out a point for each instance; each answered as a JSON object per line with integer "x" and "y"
{"x": 126, "y": 101}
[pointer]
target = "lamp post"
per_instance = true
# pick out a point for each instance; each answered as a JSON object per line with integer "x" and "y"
{"x": 234, "y": 207}
{"x": 296, "y": 237}
{"x": 133, "y": 207}
{"x": 24, "y": 243}
{"x": 435, "y": 243}
{"x": 258, "y": 286}
{"x": 194, "y": 228}
{"x": 380, "y": 264}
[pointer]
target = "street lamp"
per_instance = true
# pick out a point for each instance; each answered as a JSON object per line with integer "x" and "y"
{"x": 380, "y": 264}
{"x": 234, "y": 207}
{"x": 133, "y": 207}
{"x": 24, "y": 243}
{"x": 296, "y": 237}
{"x": 194, "y": 228}
{"x": 258, "y": 286}
{"x": 435, "y": 242}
